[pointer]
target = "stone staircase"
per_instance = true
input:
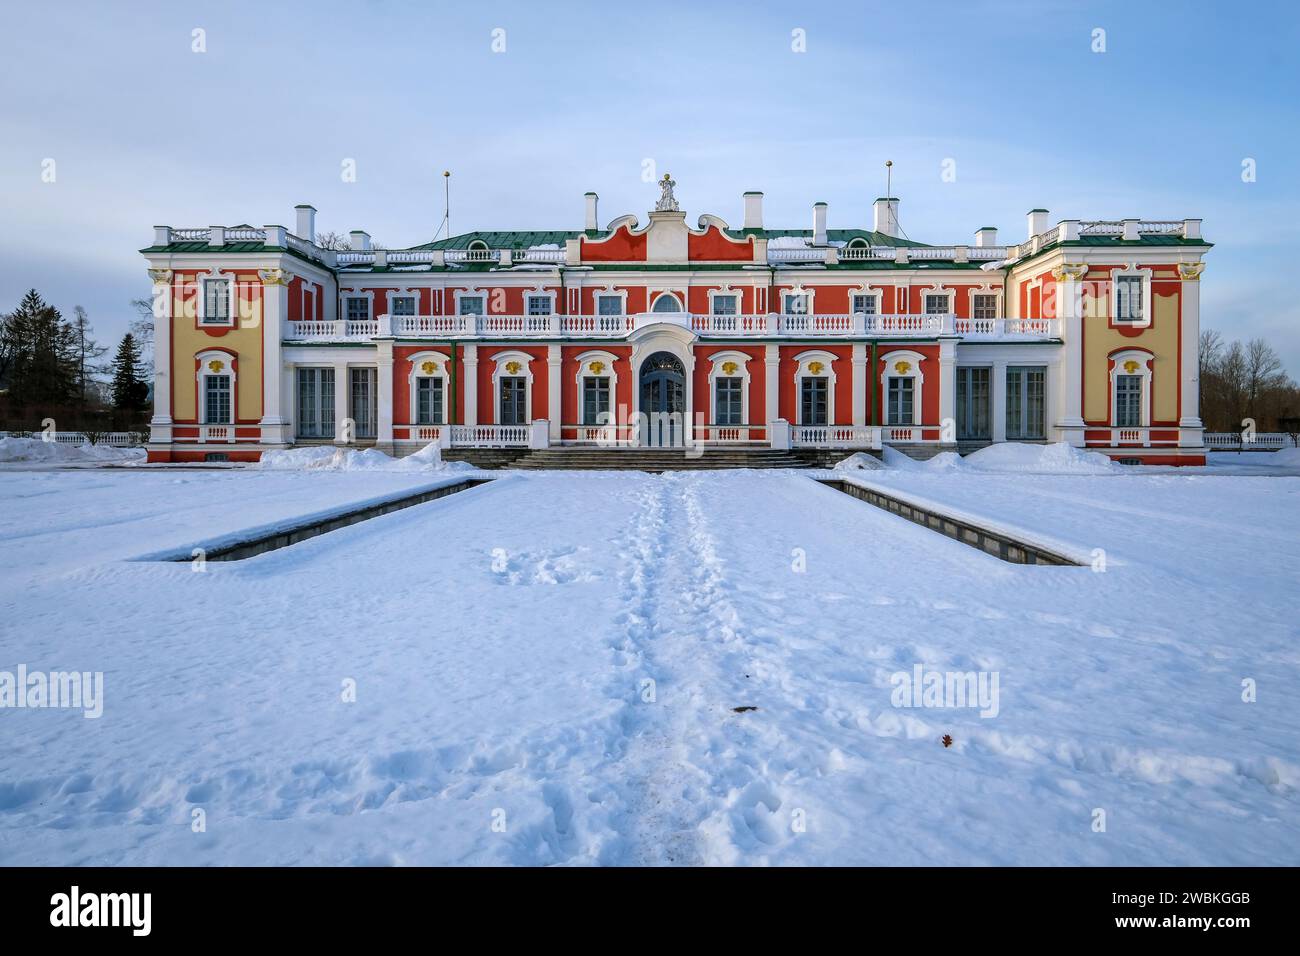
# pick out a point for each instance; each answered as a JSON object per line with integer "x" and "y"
{"x": 658, "y": 459}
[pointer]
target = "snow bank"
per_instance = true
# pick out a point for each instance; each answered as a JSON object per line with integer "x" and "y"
{"x": 859, "y": 461}
{"x": 1285, "y": 458}
{"x": 328, "y": 458}
{"x": 1057, "y": 459}
{"x": 38, "y": 450}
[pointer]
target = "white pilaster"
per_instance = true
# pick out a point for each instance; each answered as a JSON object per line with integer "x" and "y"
{"x": 859, "y": 383}
{"x": 469, "y": 366}
{"x": 275, "y": 425}
{"x": 1070, "y": 382}
{"x": 554, "y": 394}
{"x": 342, "y": 386}
{"x": 1189, "y": 412}
{"x": 384, "y": 400}
{"x": 772, "y": 391}
{"x": 998, "y": 400}
{"x": 948, "y": 388}
{"x": 160, "y": 426}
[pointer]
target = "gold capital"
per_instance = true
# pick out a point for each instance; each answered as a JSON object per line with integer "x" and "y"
{"x": 161, "y": 276}
{"x": 274, "y": 276}
{"x": 1190, "y": 271}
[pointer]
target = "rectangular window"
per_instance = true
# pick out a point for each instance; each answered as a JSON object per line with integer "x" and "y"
{"x": 729, "y": 403}
{"x": 1026, "y": 405}
{"x": 865, "y": 304}
{"x": 936, "y": 305}
{"x": 357, "y": 309}
{"x": 1128, "y": 299}
{"x": 792, "y": 304}
{"x": 1128, "y": 401}
{"x": 428, "y": 400}
{"x": 609, "y": 305}
{"x": 216, "y": 399}
{"x": 814, "y": 404}
{"x": 470, "y": 305}
{"x": 401, "y": 305}
{"x": 216, "y": 302}
{"x": 514, "y": 400}
{"x": 539, "y": 305}
{"x": 984, "y": 307}
{"x": 595, "y": 400}
{"x": 364, "y": 406}
{"x": 724, "y": 305}
{"x": 315, "y": 403}
{"x": 900, "y": 401}
{"x": 973, "y": 399}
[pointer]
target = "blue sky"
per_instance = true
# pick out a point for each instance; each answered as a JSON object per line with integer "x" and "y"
{"x": 143, "y": 130}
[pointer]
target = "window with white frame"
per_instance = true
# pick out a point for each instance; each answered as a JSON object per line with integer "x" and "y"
{"x": 984, "y": 306}
{"x": 216, "y": 302}
{"x": 1128, "y": 401}
{"x": 401, "y": 305}
{"x": 539, "y": 305}
{"x": 364, "y": 401}
{"x": 936, "y": 303}
{"x": 595, "y": 399}
{"x": 814, "y": 401}
{"x": 315, "y": 403}
{"x": 429, "y": 400}
{"x": 901, "y": 405}
{"x": 216, "y": 399}
{"x": 724, "y": 304}
{"x": 865, "y": 303}
{"x": 794, "y": 303}
{"x": 729, "y": 401}
{"x": 609, "y": 305}
{"x": 470, "y": 305}
{"x": 356, "y": 308}
{"x": 1128, "y": 299}
{"x": 667, "y": 302}
{"x": 1026, "y": 402}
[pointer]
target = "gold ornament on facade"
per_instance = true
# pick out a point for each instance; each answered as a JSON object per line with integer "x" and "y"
{"x": 274, "y": 276}
{"x": 729, "y": 368}
{"x": 513, "y": 368}
{"x": 1130, "y": 366}
{"x": 1070, "y": 271}
{"x": 815, "y": 367}
{"x": 902, "y": 368}
{"x": 428, "y": 368}
{"x": 215, "y": 366}
{"x": 596, "y": 367}
{"x": 161, "y": 276}
{"x": 1190, "y": 271}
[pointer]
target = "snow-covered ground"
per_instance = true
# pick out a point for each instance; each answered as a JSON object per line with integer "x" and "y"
{"x": 502, "y": 642}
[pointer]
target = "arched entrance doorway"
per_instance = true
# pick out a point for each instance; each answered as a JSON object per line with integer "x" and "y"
{"x": 663, "y": 400}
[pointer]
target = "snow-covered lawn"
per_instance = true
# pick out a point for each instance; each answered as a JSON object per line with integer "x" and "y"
{"x": 502, "y": 641}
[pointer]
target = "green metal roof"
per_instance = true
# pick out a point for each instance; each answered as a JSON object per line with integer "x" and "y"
{"x": 869, "y": 236}
{"x": 511, "y": 239}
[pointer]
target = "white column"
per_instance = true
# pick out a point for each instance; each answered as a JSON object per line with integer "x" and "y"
{"x": 859, "y": 383}
{"x": 342, "y": 386}
{"x": 160, "y": 426}
{"x": 1070, "y": 381}
{"x": 998, "y": 400}
{"x": 384, "y": 398}
{"x": 947, "y": 388}
{"x": 275, "y": 312}
{"x": 772, "y": 382}
{"x": 1189, "y": 412}
{"x": 469, "y": 368}
{"x": 554, "y": 394}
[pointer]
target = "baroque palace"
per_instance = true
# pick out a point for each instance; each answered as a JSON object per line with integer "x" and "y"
{"x": 662, "y": 334}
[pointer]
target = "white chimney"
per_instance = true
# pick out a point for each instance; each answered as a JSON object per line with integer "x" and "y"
{"x": 986, "y": 236}
{"x": 306, "y": 228}
{"x": 1037, "y": 222}
{"x": 885, "y": 216}
{"x": 592, "y": 221}
{"x": 753, "y": 210}
{"x": 359, "y": 239}
{"x": 819, "y": 224}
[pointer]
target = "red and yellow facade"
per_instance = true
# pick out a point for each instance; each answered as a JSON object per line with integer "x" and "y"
{"x": 1086, "y": 332}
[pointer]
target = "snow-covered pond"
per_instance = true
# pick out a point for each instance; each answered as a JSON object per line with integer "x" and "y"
{"x": 546, "y": 670}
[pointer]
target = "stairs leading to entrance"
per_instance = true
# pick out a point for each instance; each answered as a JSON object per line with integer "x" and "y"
{"x": 658, "y": 459}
